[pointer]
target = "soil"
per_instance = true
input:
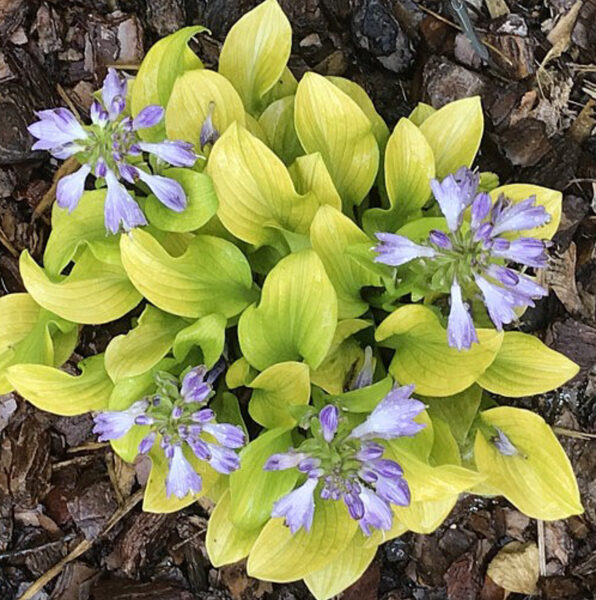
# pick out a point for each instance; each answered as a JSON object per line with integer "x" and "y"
{"x": 59, "y": 489}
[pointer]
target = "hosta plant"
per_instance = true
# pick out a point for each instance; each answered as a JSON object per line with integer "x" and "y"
{"x": 324, "y": 330}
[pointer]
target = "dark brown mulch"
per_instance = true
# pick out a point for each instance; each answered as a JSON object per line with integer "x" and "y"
{"x": 58, "y": 489}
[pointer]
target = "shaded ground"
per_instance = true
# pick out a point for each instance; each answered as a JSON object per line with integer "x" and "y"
{"x": 58, "y": 488}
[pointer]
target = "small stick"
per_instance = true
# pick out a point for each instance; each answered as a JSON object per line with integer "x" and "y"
{"x": 541, "y": 548}
{"x": 581, "y": 435}
{"x": 26, "y": 551}
{"x": 6, "y": 243}
{"x": 80, "y": 548}
{"x": 69, "y": 166}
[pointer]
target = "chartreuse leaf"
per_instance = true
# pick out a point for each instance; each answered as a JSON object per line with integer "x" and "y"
{"x": 409, "y": 167}
{"x": 310, "y": 174}
{"x": 144, "y": 346}
{"x": 331, "y": 233}
{"x": 94, "y": 292}
{"x": 550, "y": 199}
{"x": 189, "y": 105}
{"x": 296, "y": 317}
{"x": 524, "y": 366}
{"x": 55, "y": 391}
{"x": 458, "y": 411}
{"x": 239, "y": 373}
{"x": 454, "y": 133}
{"x": 328, "y": 121}
{"x": 202, "y": 203}
{"x": 84, "y": 226}
{"x": 539, "y": 480}
{"x": 165, "y": 61}
{"x": 364, "y": 400}
{"x": 421, "y": 113}
{"x": 253, "y": 490}
{"x": 359, "y": 95}
{"x": 225, "y": 542}
{"x": 423, "y": 356}
{"x": 255, "y": 53}
{"x": 156, "y": 500}
{"x": 345, "y": 356}
{"x": 277, "y": 121}
{"x": 208, "y": 332}
{"x": 280, "y": 556}
{"x": 276, "y": 389}
{"x": 343, "y": 570}
{"x": 211, "y": 276}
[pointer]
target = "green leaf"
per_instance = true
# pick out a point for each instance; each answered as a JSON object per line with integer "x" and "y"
{"x": 421, "y": 113}
{"x": 276, "y": 389}
{"x": 239, "y": 374}
{"x": 226, "y": 543}
{"x": 189, "y": 105}
{"x": 328, "y": 121}
{"x": 209, "y": 333}
{"x": 278, "y": 123}
{"x": 212, "y": 276}
{"x": 331, "y": 233}
{"x": 255, "y": 53}
{"x": 362, "y": 99}
{"x": 296, "y": 317}
{"x": 550, "y": 199}
{"x": 72, "y": 231}
{"x": 344, "y": 570}
{"x": 409, "y": 167}
{"x": 539, "y": 480}
{"x": 423, "y": 356}
{"x": 310, "y": 175}
{"x": 156, "y": 500}
{"x": 454, "y": 133}
{"x": 94, "y": 292}
{"x": 142, "y": 347}
{"x": 364, "y": 400}
{"x": 201, "y": 207}
{"x": 458, "y": 411}
{"x": 425, "y": 517}
{"x": 163, "y": 64}
{"x": 58, "y": 392}
{"x": 524, "y": 366}
{"x": 255, "y": 190}
{"x": 280, "y": 556}
{"x": 253, "y": 490}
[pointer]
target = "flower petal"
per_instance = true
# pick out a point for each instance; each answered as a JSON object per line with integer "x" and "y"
{"x": 396, "y": 250}
{"x": 151, "y": 115}
{"x": 168, "y": 191}
{"x": 120, "y": 207}
{"x": 178, "y": 154}
{"x": 182, "y": 478}
{"x": 297, "y": 507}
{"x": 460, "y": 327}
{"x": 71, "y": 187}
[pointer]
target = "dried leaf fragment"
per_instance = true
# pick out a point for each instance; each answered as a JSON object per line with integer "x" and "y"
{"x": 516, "y": 568}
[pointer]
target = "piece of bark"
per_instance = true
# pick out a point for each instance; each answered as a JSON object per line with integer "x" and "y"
{"x": 123, "y": 589}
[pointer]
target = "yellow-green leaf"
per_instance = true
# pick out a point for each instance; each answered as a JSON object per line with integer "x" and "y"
{"x": 280, "y": 556}
{"x": 550, "y": 199}
{"x": 423, "y": 356}
{"x": 94, "y": 292}
{"x": 255, "y": 53}
{"x": 142, "y": 347}
{"x": 539, "y": 480}
{"x": 454, "y": 133}
{"x": 331, "y": 234}
{"x": 189, "y": 105}
{"x": 165, "y": 61}
{"x": 239, "y": 373}
{"x": 278, "y": 123}
{"x": 328, "y": 121}
{"x": 276, "y": 389}
{"x": 421, "y": 113}
{"x": 225, "y": 542}
{"x": 58, "y": 392}
{"x": 524, "y": 366}
{"x": 344, "y": 570}
{"x": 424, "y": 517}
{"x": 310, "y": 175}
{"x": 209, "y": 333}
{"x": 211, "y": 276}
{"x": 296, "y": 316}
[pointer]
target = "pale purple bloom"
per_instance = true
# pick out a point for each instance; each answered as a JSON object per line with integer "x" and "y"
{"x": 194, "y": 387}
{"x": 527, "y": 251}
{"x": 182, "y": 479}
{"x": 394, "y": 490}
{"x": 396, "y": 250}
{"x": 227, "y": 435}
{"x": 520, "y": 216}
{"x": 377, "y": 512}
{"x": 503, "y": 444}
{"x": 284, "y": 460}
{"x": 209, "y": 134}
{"x": 499, "y": 302}
{"x": 107, "y": 149}
{"x": 453, "y": 198}
{"x": 460, "y": 327}
{"x": 480, "y": 209}
{"x": 112, "y": 425}
{"x": 223, "y": 459}
{"x": 440, "y": 239}
{"x": 297, "y": 507}
{"x": 365, "y": 375}
{"x": 329, "y": 418}
{"x": 147, "y": 442}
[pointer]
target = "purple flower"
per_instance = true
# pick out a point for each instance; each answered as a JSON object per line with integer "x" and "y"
{"x": 284, "y": 460}
{"x": 227, "y": 435}
{"x": 111, "y": 147}
{"x": 209, "y": 134}
{"x": 393, "y": 417}
{"x": 112, "y": 425}
{"x": 460, "y": 327}
{"x": 297, "y": 507}
{"x": 194, "y": 387}
{"x": 182, "y": 479}
{"x": 499, "y": 302}
{"x": 527, "y": 251}
{"x": 365, "y": 375}
{"x": 329, "y": 418}
{"x": 377, "y": 512}
{"x": 453, "y": 198}
{"x": 440, "y": 239}
{"x": 519, "y": 216}
{"x": 396, "y": 250}
{"x": 223, "y": 459}
{"x": 503, "y": 444}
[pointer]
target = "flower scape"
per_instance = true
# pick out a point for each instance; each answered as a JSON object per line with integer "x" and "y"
{"x": 325, "y": 329}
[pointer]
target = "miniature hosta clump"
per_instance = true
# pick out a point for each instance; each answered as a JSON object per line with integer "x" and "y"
{"x": 347, "y": 293}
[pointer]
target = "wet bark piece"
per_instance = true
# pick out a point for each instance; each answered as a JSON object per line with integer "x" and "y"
{"x": 123, "y": 589}
{"x": 92, "y": 506}
{"x": 515, "y": 57}
{"x": 12, "y": 14}
{"x": 166, "y": 16}
{"x": 116, "y": 39}
{"x": 463, "y": 578}
{"x": 75, "y": 582}
{"x": 575, "y": 340}
{"x": 525, "y": 143}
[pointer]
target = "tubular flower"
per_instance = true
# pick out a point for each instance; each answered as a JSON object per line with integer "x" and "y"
{"x": 112, "y": 150}
{"x": 348, "y": 465}
{"x": 469, "y": 258}
{"x": 177, "y": 415}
